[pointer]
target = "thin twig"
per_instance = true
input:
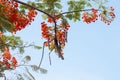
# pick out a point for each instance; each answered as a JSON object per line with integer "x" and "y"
{"x": 76, "y": 11}
{"x": 30, "y": 74}
{"x": 4, "y": 77}
{"x": 49, "y": 58}
{"x": 23, "y": 65}
{"x": 42, "y": 55}
{"x": 23, "y": 46}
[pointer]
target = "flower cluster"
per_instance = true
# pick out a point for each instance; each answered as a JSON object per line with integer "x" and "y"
{"x": 9, "y": 9}
{"x": 90, "y": 17}
{"x": 107, "y": 16}
{"x": 48, "y": 33}
{"x": 45, "y": 31}
{"x": 62, "y": 34}
{"x": 50, "y": 20}
{"x": 21, "y": 21}
{"x": 7, "y": 61}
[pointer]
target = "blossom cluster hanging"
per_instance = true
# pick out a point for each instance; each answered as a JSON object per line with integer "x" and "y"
{"x": 7, "y": 61}
{"x": 107, "y": 16}
{"x": 90, "y": 17}
{"x": 9, "y": 9}
{"x": 48, "y": 33}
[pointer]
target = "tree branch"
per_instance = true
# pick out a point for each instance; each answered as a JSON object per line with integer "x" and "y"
{"x": 75, "y": 11}
{"x": 20, "y": 2}
{"x": 53, "y": 17}
{"x": 18, "y": 46}
{"x": 24, "y": 65}
{"x": 57, "y": 46}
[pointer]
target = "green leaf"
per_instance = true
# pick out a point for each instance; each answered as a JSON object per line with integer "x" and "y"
{"x": 6, "y": 25}
{"x": 36, "y": 68}
{"x": 44, "y": 71}
{"x": 52, "y": 48}
{"x": 22, "y": 11}
{"x": 3, "y": 38}
{"x": 59, "y": 6}
{"x": 27, "y": 58}
{"x": 37, "y": 47}
{"x": 40, "y": 5}
{"x": 76, "y": 16}
{"x": 69, "y": 16}
{"x": 44, "y": 16}
{"x": 21, "y": 50}
{"x": 89, "y": 5}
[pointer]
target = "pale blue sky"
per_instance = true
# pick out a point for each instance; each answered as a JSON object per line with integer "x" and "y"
{"x": 92, "y": 51}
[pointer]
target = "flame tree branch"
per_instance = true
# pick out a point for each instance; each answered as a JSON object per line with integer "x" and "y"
{"x": 76, "y": 11}
{"x": 55, "y": 24}
{"x": 57, "y": 46}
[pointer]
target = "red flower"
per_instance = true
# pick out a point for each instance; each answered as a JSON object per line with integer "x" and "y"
{"x": 45, "y": 30}
{"x": 6, "y": 54}
{"x": 1, "y": 34}
{"x": 90, "y": 17}
{"x": 8, "y": 65}
{"x": 7, "y": 58}
{"x": 14, "y": 62}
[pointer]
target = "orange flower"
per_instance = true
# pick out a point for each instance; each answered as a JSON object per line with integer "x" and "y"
{"x": 14, "y": 61}
{"x": 1, "y": 34}
{"x": 10, "y": 10}
{"x": 6, "y": 54}
{"x": 45, "y": 30}
{"x": 50, "y": 20}
{"x": 2, "y": 63}
{"x": 8, "y": 65}
{"x": 90, "y": 17}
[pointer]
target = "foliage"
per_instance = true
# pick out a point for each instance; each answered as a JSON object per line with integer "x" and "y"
{"x": 15, "y": 15}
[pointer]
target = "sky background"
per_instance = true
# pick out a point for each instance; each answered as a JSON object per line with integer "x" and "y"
{"x": 92, "y": 51}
